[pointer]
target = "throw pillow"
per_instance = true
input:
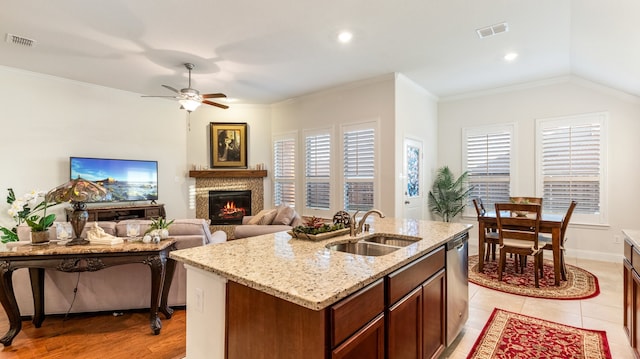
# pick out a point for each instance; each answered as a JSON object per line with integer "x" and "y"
{"x": 269, "y": 216}
{"x": 284, "y": 216}
{"x": 258, "y": 217}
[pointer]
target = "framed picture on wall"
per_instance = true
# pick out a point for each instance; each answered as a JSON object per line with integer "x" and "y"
{"x": 228, "y": 145}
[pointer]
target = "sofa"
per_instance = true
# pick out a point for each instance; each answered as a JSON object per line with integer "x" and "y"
{"x": 115, "y": 288}
{"x": 281, "y": 218}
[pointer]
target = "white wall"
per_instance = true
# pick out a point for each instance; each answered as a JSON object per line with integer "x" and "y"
{"x": 353, "y": 103}
{"x": 560, "y": 97}
{"x": 417, "y": 119}
{"x": 45, "y": 120}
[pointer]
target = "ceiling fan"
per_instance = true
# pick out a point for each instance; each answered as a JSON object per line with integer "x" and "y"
{"x": 189, "y": 98}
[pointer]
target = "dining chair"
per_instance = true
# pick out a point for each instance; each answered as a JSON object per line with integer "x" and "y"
{"x": 518, "y": 234}
{"x": 546, "y": 242}
{"x": 490, "y": 234}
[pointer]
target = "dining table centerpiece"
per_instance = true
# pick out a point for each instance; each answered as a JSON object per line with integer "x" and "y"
{"x": 317, "y": 229}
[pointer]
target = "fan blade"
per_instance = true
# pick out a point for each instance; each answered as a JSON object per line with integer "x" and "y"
{"x": 161, "y": 96}
{"x": 215, "y": 104}
{"x": 214, "y": 95}
{"x": 170, "y": 88}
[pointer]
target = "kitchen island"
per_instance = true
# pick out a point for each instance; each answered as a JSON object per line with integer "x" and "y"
{"x": 275, "y": 296}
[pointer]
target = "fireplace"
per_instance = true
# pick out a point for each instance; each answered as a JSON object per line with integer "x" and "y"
{"x": 228, "y": 207}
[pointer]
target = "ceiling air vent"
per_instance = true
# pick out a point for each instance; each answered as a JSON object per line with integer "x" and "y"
{"x": 492, "y": 30}
{"x": 19, "y": 40}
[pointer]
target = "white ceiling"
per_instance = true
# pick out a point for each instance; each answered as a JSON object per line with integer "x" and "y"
{"x": 272, "y": 50}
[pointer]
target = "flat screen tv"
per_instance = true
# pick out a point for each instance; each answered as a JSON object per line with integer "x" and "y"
{"x": 125, "y": 180}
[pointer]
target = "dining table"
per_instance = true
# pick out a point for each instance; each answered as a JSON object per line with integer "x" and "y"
{"x": 549, "y": 223}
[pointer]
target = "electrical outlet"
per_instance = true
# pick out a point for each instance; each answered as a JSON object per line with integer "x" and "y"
{"x": 199, "y": 300}
{"x": 616, "y": 239}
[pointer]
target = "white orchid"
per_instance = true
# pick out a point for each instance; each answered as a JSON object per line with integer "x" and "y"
{"x": 26, "y": 209}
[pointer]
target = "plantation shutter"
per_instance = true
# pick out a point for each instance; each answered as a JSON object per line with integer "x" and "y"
{"x": 359, "y": 169}
{"x": 488, "y": 162}
{"x": 317, "y": 171}
{"x": 571, "y": 167}
{"x": 284, "y": 171}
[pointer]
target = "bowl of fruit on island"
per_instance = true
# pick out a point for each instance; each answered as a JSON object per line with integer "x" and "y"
{"x": 317, "y": 229}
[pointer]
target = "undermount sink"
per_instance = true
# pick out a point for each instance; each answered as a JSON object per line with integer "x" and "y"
{"x": 390, "y": 240}
{"x": 363, "y": 248}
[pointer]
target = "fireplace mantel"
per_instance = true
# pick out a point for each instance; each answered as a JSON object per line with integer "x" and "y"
{"x": 227, "y": 173}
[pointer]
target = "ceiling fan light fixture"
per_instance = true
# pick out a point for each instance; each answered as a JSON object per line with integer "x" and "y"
{"x": 189, "y": 105}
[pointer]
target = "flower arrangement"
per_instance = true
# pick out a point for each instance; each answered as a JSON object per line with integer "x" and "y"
{"x": 315, "y": 225}
{"x": 27, "y": 210}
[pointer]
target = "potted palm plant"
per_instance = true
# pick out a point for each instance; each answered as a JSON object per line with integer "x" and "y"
{"x": 448, "y": 195}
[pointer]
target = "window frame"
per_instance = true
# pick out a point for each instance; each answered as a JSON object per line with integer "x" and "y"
{"x": 317, "y": 211}
{"x": 290, "y": 136}
{"x": 351, "y": 127}
{"x": 602, "y": 118}
{"x": 485, "y": 130}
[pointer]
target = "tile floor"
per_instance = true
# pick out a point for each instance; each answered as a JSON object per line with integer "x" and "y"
{"x": 603, "y": 312}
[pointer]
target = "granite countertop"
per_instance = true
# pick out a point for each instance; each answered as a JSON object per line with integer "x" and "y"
{"x": 633, "y": 235}
{"x": 306, "y": 272}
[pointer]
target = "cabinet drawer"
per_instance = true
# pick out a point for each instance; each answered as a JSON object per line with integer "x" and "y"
{"x": 352, "y": 313}
{"x": 635, "y": 258}
{"x": 409, "y": 277}
{"x": 627, "y": 250}
{"x": 155, "y": 212}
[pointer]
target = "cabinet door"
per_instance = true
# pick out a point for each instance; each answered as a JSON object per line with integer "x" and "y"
{"x": 405, "y": 327}
{"x": 367, "y": 343}
{"x": 635, "y": 312}
{"x": 434, "y": 329}
{"x": 628, "y": 301}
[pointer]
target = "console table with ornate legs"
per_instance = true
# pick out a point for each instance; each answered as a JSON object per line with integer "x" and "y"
{"x": 82, "y": 259}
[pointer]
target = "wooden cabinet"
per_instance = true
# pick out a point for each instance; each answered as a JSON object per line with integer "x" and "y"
{"x": 405, "y": 327}
{"x": 366, "y": 343}
{"x": 628, "y": 301}
{"x": 631, "y": 296}
{"x": 416, "y": 322}
{"x": 399, "y": 316}
{"x": 434, "y": 316}
{"x": 119, "y": 213}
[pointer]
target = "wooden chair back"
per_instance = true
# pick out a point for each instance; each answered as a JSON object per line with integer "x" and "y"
{"x": 518, "y": 221}
{"x": 566, "y": 219}
{"x": 526, "y": 200}
{"x": 477, "y": 203}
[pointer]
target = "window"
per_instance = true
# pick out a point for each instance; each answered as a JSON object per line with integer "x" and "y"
{"x": 571, "y": 154}
{"x": 284, "y": 170}
{"x": 318, "y": 170}
{"x": 359, "y": 167}
{"x": 487, "y": 158}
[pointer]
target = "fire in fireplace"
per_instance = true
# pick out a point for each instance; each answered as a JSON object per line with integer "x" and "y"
{"x": 228, "y": 207}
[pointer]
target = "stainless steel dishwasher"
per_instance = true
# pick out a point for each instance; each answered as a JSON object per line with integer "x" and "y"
{"x": 457, "y": 285}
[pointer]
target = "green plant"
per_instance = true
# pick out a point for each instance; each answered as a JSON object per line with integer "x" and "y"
{"x": 448, "y": 196}
{"x": 26, "y": 210}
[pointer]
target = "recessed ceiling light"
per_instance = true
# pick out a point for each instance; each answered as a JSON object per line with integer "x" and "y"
{"x": 345, "y": 37}
{"x": 510, "y": 56}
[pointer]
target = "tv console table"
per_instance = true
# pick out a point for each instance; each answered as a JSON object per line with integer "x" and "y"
{"x": 119, "y": 213}
{"x": 84, "y": 258}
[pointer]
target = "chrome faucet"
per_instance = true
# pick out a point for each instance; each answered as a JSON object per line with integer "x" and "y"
{"x": 354, "y": 229}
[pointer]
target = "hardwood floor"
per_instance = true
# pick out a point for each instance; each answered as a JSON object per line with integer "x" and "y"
{"x": 98, "y": 335}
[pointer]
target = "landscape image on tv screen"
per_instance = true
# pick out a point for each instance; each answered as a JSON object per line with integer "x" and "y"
{"x": 125, "y": 180}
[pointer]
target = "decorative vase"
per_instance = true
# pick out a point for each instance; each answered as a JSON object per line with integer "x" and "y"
{"x": 40, "y": 237}
{"x": 164, "y": 233}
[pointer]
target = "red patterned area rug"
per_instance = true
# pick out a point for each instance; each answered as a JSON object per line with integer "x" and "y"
{"x": 512, "y": 335}
{"x": 580, "y": 284}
